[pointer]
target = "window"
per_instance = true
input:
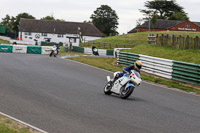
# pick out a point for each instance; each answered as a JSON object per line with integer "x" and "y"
{"x": 74, "y": 40}
{"x": 44, "y": 34}
{"x": 187, "y": 26}
{"x": 60, "y": 35}
{"x": 27, "y": 33}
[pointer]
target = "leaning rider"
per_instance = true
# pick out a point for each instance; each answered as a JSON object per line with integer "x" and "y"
{"x": 127, "y": 70}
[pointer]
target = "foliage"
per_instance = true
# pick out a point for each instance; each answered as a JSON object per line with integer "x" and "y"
{"x": 48, "y": 18}
{"x": 164, "y": 9}
{"x": 8, "y": 22}
{"x": 154, "y": 20}
{"x": 178, "y": 16}
{"x": 106, "y": 20}
{"x": 12, "y": 23}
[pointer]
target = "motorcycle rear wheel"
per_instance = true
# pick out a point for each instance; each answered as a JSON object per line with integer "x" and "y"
{"x": 126, "y": 92}
{"x": 107, "y": 88}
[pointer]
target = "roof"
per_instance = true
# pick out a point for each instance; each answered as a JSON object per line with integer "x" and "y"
{"x": 133, "y": 30}
{"x": 162, "y": 24}
{"x": 197, "y": 23}
{"x": 57, "y": 27}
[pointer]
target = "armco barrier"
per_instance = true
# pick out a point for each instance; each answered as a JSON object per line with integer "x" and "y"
{"x": 176, "y": 70}
{"x": 127, "y": 58}
{"x": 157, "y": 66}
{"x": 186, "y": 72}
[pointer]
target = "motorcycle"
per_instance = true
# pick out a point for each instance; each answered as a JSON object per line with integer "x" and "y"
{"x": 54, "y": 52}
{"x": 123, "y": 86}
{"x": 95, "y": 51}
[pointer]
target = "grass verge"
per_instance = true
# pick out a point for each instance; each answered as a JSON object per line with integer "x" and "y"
{"x": 9, "y": 126}
{"x": 4, "y": 42}
{"x": 110, "y": 64}
{"x": 189, "y": 55}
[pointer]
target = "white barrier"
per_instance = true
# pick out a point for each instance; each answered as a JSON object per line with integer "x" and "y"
{"x": 157, "y": 66}
{"x": 89, "y": 51}
{"x": 46, "y": 49}
{"x": 19, "y": 49}
{"x": 102, "y": 52}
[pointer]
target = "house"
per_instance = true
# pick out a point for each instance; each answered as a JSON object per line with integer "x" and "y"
{"x": 36, "y": 31}
{"x": 171, "y": 25}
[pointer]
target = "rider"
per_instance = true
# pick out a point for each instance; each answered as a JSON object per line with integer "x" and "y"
{"x": 127, "y": 70}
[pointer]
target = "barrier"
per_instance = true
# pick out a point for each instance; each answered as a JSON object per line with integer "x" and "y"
{"x": 46, "y": 49}
{"x": 19, "y": 49}
{"x": 157, "y": 66}
{"x": 186, "y": 72}
{"x": 25, "y": 49}
{"x": 77, "y": 49}
{"x": 6, "y": 48}
{"x": 170, "y": 69}
{"x": 102, "y": 52}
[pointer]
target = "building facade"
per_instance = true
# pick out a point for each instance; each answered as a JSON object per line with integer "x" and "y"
{"x": 171, "y": 25}
{"x": 37, "y": 31}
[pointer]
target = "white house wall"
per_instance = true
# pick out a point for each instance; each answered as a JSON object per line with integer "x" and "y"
{"x": 90, "y": 38}
{"x": 54, "y": 38}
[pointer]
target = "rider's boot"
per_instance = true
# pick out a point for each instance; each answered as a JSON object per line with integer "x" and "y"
{"x": 115, "y": 78}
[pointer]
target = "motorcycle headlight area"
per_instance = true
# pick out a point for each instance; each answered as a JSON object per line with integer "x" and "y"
{"x": 134, "y": 81}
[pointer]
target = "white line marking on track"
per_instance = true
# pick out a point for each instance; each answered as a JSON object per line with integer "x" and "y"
{"x": 26, "y": 124}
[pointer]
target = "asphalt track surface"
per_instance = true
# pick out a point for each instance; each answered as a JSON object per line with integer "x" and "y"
{"x": 62, "y": 96}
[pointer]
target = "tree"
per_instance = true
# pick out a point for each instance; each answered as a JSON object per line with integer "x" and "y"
{"x": 178, "y": 16}
{"x": 48, "y": 18}
{"x": 154, "y": 19}
{"x": 18, "y": 17}
{"x": 163, "y": 9}
{"x": 106, "y": 20}
{"x": 8, "y": 22}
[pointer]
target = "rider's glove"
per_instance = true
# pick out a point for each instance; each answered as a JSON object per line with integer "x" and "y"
{"x": 126, "y": 72}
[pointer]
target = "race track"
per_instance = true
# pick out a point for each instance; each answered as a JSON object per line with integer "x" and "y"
{"x": 62, "y": 96}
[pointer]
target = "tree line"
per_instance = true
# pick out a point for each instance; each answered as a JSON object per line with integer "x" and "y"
{"x": 162, "y": 9}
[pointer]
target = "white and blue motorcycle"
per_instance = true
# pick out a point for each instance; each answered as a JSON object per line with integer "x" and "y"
{"x": 123, "y": 86}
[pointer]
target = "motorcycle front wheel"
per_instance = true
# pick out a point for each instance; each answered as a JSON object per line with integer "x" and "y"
{"x": 126, "y": 92}
{"x": 107, "y": 88}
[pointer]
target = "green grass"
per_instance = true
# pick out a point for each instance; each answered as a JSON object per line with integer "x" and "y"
{"x": 138, "y": 38}
{"x": 190, "y": 55}
{"x": 142, "y": 46}
{"x": 110, "y": 64}
{"x": 9, "y": 126}
{"x": 4, "y": 42}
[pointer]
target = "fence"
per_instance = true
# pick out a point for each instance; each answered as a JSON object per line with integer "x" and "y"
{"x": 104, "y": 45}
{"x": 170, "y": 69}
{"x": 178, "y": 41}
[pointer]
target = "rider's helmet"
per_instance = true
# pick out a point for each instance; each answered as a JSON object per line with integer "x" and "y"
{"x": 138, "y": 65}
